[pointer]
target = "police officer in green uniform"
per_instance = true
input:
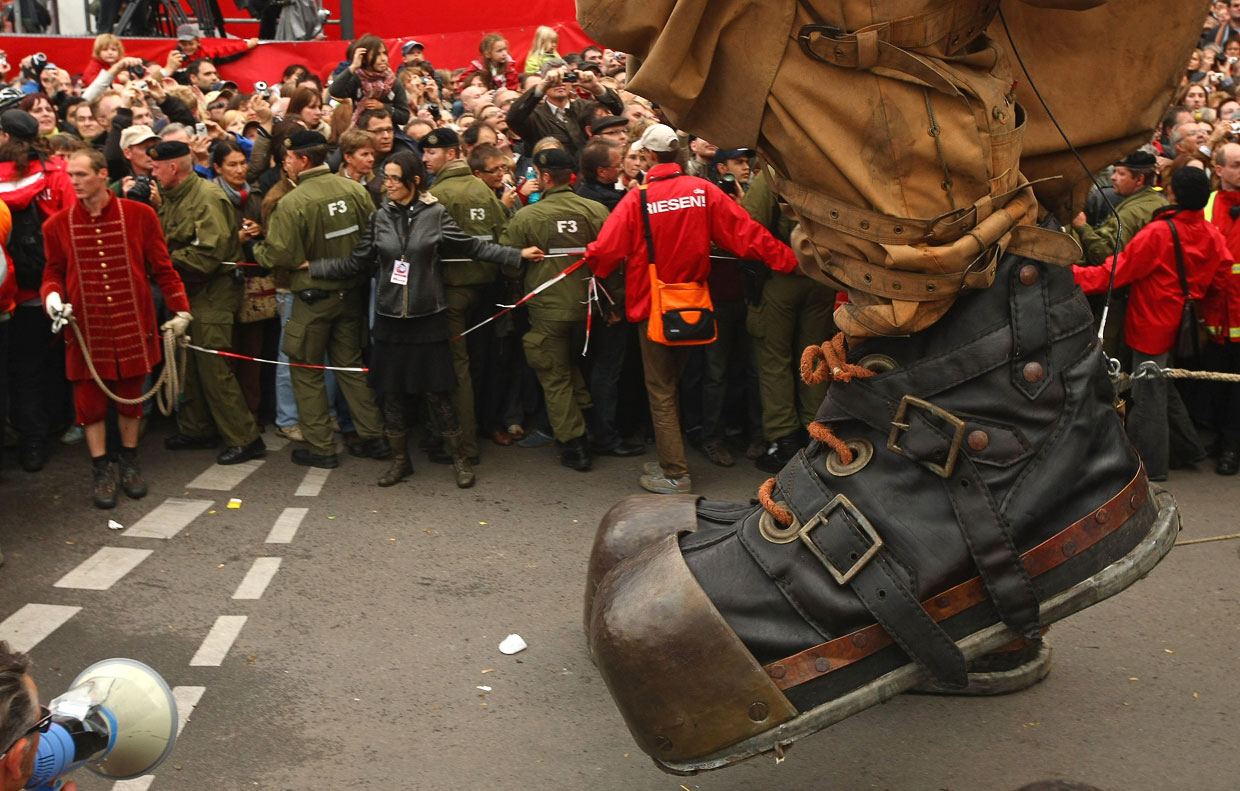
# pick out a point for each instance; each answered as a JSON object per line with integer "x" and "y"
{"x": 323, "y": 218}
{"x": 199, "y": 223}
{"x": 562, "y": 223}
{"x": 791, "y": 311}
{"x": 475, "y": 208}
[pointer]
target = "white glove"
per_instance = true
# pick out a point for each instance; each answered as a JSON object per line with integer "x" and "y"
{"x": 178, "y": 323}
{"x": 57, "y": 310}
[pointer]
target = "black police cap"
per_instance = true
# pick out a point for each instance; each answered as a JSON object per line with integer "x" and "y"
{"x": 554, "y": 159}
{"x": 19, "y": 124}
{"x": 440, "y": 138}
{"x": 304, "y": 138}
{"x": 169, "y": 149}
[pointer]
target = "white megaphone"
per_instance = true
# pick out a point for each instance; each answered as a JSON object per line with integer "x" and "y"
{"x": 118, "y": 718}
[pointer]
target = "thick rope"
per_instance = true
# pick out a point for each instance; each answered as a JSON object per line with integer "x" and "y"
{"x": 167, "y": 389}
{"x": 1150, "y": 370}
{"x": 818, "y": 364}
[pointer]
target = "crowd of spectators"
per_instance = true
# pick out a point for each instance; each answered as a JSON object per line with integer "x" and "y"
{"x": 487, "y": 120}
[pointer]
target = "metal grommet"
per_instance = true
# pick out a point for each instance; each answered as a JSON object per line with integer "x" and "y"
{"x": 866, "y": 278}
{"x": 835, "y": 215}
{"x": 775, "y": 532}
{"x": 898, "y": 229}
{"x": 865, "y": 225}
{"x": 863, "y": 451}
{"x": 895, "y": 285}
{"x": 878, "y": 363}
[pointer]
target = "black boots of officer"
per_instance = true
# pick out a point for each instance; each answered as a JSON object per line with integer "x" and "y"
{"x": 575, "y": 454}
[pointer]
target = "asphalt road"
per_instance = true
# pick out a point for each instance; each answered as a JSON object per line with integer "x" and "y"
{"x": 359, "y": 663}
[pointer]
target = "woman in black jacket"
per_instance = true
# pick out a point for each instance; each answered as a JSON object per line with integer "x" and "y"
{"x": 404, "y": 246}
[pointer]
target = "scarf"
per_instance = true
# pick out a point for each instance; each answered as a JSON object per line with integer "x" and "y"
{"x": 236, "y": 196}
{"x": 375, "y": 85}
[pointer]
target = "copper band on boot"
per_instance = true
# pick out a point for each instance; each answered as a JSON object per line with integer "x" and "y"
{"x": 827, "y": 657}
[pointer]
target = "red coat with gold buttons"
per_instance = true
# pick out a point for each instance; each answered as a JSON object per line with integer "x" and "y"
{"x": 102, "y": 266}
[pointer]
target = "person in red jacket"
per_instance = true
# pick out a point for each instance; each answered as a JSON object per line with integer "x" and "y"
{"x": 1222, "y": 312}
{"x": 496, "y": 63}
{"x": 686, "y": 214}
{"x": 34, "y": 187}
{"x": 8, "y": 292}
{"x": 102, "y": 254}
{"x": 1158, "y": 423}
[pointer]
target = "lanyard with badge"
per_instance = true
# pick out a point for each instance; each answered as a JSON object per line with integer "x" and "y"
{"x": 400, "y": 267}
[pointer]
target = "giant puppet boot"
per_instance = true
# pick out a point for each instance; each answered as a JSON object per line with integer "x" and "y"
{"x": 969, "y": 481}
{"x": 966, "y": 487}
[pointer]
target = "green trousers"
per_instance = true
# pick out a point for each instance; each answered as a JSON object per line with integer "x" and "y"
{"x": 213, "y": 402}
{"x": 462, "y": 301}
{"x": 550, "y": 349}
{"x": 795, "y": 312}
{"x": 333, "y": 327}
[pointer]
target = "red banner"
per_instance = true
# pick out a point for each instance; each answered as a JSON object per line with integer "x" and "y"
{"x": 451, "y": 38}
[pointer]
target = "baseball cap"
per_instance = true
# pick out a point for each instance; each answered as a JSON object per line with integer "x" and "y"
{"x": 724, "y": 154}
{"x": 408, "y": 47}
{"x": 660, "y": 137}
{"x": 188, "y": 32}
{"x": 138, "y": 133}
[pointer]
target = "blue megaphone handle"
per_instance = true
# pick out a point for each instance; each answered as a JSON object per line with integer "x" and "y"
{"x": 54, "y": 758}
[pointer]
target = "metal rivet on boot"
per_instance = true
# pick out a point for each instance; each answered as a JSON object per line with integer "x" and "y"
{"x": 777, "y": 671}
{"x": 1069, "y": 549}
{"x": 759, "y": 711}
{"x": 1102, "y": 516}
{"x": 978, "y": 440}
{"x": 859, "y": 640}
{"x": 1028, "y": 274}
{"x": 1033, "y": 372}
{"x": 822, "y": 664}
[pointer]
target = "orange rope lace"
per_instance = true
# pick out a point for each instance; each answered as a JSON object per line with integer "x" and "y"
{"x": 818, "y": 364}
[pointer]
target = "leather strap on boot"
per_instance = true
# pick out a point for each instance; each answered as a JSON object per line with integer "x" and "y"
{"x": 850, "y": 549}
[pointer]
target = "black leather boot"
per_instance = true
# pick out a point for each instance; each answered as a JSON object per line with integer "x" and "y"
{"x": 132, "y": 481}
{"x": 967, "y": 485}
{"x": 575, "y": 454}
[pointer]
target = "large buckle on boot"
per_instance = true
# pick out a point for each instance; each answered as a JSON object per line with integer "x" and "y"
{"x": 867, "y": 529}
{"x": 899, "y": 425}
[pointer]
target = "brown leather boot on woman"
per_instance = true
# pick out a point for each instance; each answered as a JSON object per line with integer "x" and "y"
{"x": 401, "y": 467}
{"x": 460, "y": 462}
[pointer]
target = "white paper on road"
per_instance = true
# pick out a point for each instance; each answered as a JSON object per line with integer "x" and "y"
{"x": 103, "y": 569}
{"x": 218, "y": 641}
{"x": 169, "y": 518}
{"x": 27, "y": 627}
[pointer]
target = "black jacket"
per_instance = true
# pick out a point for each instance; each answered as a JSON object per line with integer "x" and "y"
{"x": 606, "y": 194}
{"x": 531, "y": 118}
{"x": 420, "y": 234}
{"x": 347, "y": 85}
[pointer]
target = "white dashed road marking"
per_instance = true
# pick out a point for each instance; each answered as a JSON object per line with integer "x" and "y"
{"x": 169, "y": 518}
{"x": 257, "y": 578}
{"x": 187, "y": 698}
{"x": 312, "y": 484}
{"x": 285, "y": 528}
{"x": 224, "y": 477}
{"x": 27, "y": 627}
{"x": 103, "y": 569}
{"x": 221, "y": 637}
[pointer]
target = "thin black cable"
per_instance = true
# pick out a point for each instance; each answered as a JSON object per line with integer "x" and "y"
{"x": 1119, "y": 225}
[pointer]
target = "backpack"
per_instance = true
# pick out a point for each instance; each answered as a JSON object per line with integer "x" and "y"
{"x": 26, "y": 246}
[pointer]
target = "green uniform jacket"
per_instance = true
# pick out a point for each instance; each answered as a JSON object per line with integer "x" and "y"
{"x": 561, "y": 220}
{"x": 1134, "y": 211}
{"x": 475, "y": 208}
{"x": 322, "y": 217}
{"x": 200, "y": 225}
{"x": 761, "y": 204}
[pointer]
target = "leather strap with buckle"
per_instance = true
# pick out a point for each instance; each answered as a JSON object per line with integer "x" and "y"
{"x": 850, "y": 549}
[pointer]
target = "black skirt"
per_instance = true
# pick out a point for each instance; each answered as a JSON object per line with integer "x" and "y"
{"x": 411, "y": 356}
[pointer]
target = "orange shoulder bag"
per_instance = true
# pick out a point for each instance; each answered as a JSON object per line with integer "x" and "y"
{"x": 681, "y": 314}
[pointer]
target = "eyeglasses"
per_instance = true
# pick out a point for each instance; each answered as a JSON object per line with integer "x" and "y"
{"x": 41, "y": 726}
{"x": 498, "y": 169}
{"x": 218, "y": 106}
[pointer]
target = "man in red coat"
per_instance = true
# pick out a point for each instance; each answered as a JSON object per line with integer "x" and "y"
{"x": 100, "y": 255}
{"x": 1158, "y": 423}
{"x": 1222, "y": 312}
{"x": 686, "y": 215}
